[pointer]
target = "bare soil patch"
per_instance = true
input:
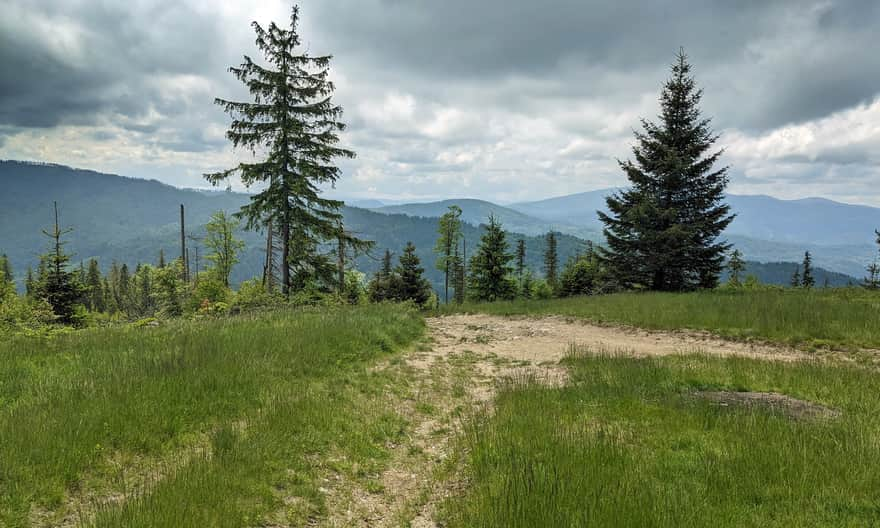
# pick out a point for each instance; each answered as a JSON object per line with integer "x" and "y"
{"x": 780, "y": 403}
{"x": 459, "y": 371}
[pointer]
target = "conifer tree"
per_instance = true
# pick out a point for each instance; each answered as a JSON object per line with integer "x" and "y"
{"x": 551, "y": 261}
{"x": 293, "y": 119}
{"x": 807, "y": 279}
{"x": 381, "y": 288}
{"x": 123, "y": 288}
{"x": 412, "y": 285}
{"x": 662, "y": 233}
{"x": 223, "y": 244}
{"x": 161, "y": 258}
{"x": 520, "y": 260}
{"x": 490, "y": 267}
{"x": 459, "y": 281}
{"x": 447, "y": 244}
{"x": 736, "y": 267}
{"x": 60, "y": 288}
{"x": 796, "y": 278}
{"x": 6, "y": 269}
{"x": 30, "y": 284}
{"x": 94, "y": 288}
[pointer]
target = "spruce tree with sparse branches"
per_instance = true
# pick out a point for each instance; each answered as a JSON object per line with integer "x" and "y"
{"x": 662, "y": 232}
{"x": 294, "y": 125}
{"x": 807, "y": 279}
{"x": 736, "y": 267}
{"x": 447, "y": 245}
{"x": 551, "y": 261}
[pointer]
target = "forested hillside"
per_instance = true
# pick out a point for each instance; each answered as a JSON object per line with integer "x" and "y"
{"x": 130, "y": 220}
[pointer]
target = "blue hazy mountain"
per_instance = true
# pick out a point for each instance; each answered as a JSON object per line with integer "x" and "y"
{"x": 810, "y": 220}
{"x": 129, "y": 220}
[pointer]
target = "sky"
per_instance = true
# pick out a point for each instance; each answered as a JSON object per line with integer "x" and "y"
{"x": 505, "y": 100}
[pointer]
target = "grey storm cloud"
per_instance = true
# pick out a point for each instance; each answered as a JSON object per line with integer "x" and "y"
{"x": 547, "y": 92}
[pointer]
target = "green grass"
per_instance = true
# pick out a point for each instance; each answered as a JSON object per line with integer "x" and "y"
{"x": 627, "y": 443}
{"x": 221, "y": 417}
{"x": 838, "y": 318}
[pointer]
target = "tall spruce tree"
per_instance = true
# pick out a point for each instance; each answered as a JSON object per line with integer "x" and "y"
{"x": 807, "y": 279}
{"x": 551, "y": 261}
{"x": 94, "y": 288}
{"x": 293, "y": 120}
{"x": 60, "y": 286}
{"x": 447, "y": 244}
{"x": 662, "y": 233}
{"x": 412, "y": 286}
{"x": 491, "y": 270}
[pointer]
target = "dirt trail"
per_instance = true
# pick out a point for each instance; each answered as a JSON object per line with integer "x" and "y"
{"x": 457, "y": 374}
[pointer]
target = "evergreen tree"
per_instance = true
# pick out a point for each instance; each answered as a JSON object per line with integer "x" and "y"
{"x": 60, "y": 288}
{"x": 520, "y": 260}
{"x": 381, "y": 288}
{"x": 412, "y": 285}
{"x": 94, "y": 288}
{"x": 161, "y": 258}
{"x": 30, "y": 284}
{"x": 110, "y": 304}
{"x": 6, "y": 269}
{"x": 662, "y": 232}
{"x": 551, "y": 261}
{"x": 796, "y": 278}
{"x": 223, "y": 244}
{"x": 170, "y": 289}
{"x": 459, "y": 280}
{"x": 294, "y": 121}
{"x": 736, "y": 267}
{"x": 490, "y": 273}
{"x": 143, "y": 298}
{"x": 7, "y": 284}
{"x": 123, "y": 288}
{"x": 447, "y": 244}
{"x": 807, "y": 279}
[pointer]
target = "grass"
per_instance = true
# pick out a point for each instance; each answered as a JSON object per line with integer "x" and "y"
{"x": 627, "y": 443}
{"x": 208, "y": 423}
{"x": 837, "y": 318}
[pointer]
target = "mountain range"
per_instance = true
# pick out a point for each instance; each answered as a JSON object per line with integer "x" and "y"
{"x": 130, "y": 220}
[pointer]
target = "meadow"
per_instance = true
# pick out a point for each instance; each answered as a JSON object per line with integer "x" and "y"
{"x": 631, "y": 442}
{"x": 194, "y": 423}
{"x": 846, "y": 318}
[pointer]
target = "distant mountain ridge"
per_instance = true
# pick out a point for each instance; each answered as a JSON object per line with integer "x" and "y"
{"x": 130, "y": 220}
{"x": 808, "y": 220}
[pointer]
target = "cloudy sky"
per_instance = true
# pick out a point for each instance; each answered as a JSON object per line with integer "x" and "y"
{"x": 505, "y": 100}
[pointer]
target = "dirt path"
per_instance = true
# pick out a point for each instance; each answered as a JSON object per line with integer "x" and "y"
{"x": 456, "y": 373}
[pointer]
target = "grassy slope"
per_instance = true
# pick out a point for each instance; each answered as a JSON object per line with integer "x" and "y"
{"x": 847, "y": 318}
{"x": 221, "y": 416}
{"x": 626, "y": 444}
